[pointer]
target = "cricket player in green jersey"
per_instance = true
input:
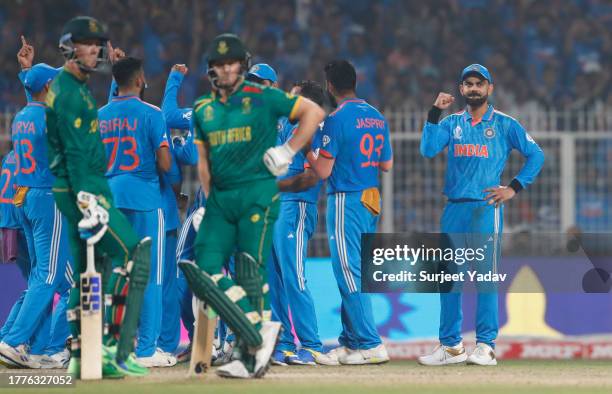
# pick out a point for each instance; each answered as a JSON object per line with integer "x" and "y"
{"x": 236, "y": 130}
{"x": 78, "y": 160}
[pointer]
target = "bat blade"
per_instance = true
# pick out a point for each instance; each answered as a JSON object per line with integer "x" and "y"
{"x": 203, "y": 337}
{"x": 91, "y": 326}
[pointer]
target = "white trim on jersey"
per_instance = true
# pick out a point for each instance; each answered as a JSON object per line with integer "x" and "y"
{"x": 161, "y": 233}
{"x": 69, "y": 275}
{"x": 180, "y": 246}
{"x": 496, "y": 223}
{"x": 55, "y": 245}
{"x": 341, "y": 243}
{"x": 299, "y": 245}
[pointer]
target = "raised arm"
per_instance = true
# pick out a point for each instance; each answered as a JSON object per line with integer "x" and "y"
{"x": 436, "y": 135}
{"x": 176, "y": 118}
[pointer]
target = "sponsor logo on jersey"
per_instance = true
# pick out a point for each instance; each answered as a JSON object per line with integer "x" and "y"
{"x": 457, "y": 133}
{"x": 489, "y": 132}
{"x": 326, "y": 140}
{"x": 187, "y": 115}
{"x": 471, "y": 150}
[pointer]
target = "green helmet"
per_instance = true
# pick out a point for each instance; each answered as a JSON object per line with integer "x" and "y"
{"x": 83, "y": 28}
{"x": 227, "y": 46}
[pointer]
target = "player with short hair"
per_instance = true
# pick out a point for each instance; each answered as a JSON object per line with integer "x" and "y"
{"x": 479, "y": 141}
{"x": 235, "y": 128}
{"x": 78, "y": 162}
{"x": 353, "y": 148}
{"x": 297, "y": 222}
{"x": 134, "y": 136}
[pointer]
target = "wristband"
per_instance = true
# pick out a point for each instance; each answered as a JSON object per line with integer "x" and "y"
{"x": 433, "y": 116}
{"x": 515, "y": 185}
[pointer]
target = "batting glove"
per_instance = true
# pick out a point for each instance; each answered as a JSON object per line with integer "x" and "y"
{"x": 278, "y": 158}
{"x": 198, "y": 215}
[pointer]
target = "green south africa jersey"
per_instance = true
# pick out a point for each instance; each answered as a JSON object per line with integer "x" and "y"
{"x": 75, "y": 147}
{"x": 238, "y": 132}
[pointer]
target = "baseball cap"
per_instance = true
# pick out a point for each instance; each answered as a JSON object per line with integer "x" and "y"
{"x": 264, "y": 71}
{"x": 38, "y": 76}
{"x": 477, "y": 69}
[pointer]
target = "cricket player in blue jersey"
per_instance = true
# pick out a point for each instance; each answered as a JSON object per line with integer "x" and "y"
{"x": 479, "y": 141}
{"x": 14, "y": 247}
{"x": 352, "y": 149}
{"x": 136, "y": 143}
{"x": 176, "y": 295}
{"x": 293, "y": 229}
{"x": 44, "y": 230}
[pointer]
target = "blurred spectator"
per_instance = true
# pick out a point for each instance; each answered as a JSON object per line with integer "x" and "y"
{"x": 543, "y": 55}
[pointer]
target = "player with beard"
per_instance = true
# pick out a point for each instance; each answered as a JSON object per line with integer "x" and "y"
{"x": 479, "y": 141}
{"x": 134, "y": 136}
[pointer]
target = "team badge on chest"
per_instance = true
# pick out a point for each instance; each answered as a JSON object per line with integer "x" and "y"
{"x": 489, "y": 132}
{"x": 457, "y": 133}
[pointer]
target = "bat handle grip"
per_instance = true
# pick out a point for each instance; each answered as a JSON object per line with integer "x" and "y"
{"x": 91, "y": 267}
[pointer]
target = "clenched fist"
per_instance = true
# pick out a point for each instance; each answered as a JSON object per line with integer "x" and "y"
{"x": 444, "y": 100}
{"x": 180, "y": 68}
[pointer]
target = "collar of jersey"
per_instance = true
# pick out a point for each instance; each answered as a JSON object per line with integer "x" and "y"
{"x": 36, "y": 103}
{"x": 486, "y": 117}
{"x": 126, "y": 97}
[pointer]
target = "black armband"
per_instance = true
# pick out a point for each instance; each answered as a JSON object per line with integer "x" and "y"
{"x": 433, "y": 116}
{"x": 515, "y": 185}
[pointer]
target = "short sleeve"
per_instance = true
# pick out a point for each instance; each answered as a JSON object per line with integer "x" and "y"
{"x": 387, "y": 151}
{"x": 199, "y": 135}
{"x": 282, "y": 103}
{"x": 158, "y": 135}
{"x": 330, "y": 138}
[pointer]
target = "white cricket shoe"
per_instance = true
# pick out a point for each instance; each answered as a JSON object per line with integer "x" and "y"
{"x": 375, "y": 355}
{"x": 482, "y": 355}
{"x": 320, "y": 358}
{"x": 269, "y": 334}
{"x": 444, "y": 355}
{"x": 159, "y": 359}
{"x": 18, "y": 355}
{"x": 335, "y": 354}
{"x": 234, "y": 369}
{"x": 58, "y": 360}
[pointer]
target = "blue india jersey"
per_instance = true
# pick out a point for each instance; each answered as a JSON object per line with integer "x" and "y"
{"x": 478, "y": 151}
{"x": 132, "y": 131}
{"x": 298, "y": 165}
{"x": 8, "y": 211}
{"x": 356, "y": 135}
{"x": 30, "y": 145}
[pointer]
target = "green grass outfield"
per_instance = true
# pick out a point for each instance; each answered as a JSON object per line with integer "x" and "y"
{"x": 395, "y": 377}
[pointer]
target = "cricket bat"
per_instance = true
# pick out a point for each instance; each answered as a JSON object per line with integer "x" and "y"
{"x": 91, "y": 319}
{"x": 203, "y": 337}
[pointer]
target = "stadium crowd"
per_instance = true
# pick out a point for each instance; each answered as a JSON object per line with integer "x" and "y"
{"x": 546, "y": 55}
